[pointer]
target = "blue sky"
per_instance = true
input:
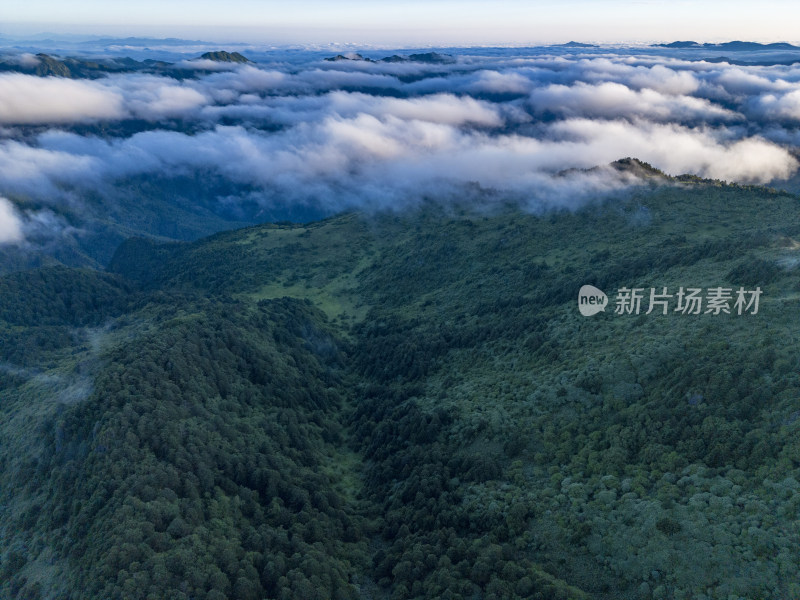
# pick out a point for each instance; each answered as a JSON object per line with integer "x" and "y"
{"x": 411, "y": 22}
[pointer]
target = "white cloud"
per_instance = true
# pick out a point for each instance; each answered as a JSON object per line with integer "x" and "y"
{"x": 665, "y": 80}
{"x": 679, "y": 150}
{"x": 25, "y": 99}
{"x": 33, "y": 170}
{"x": 10, "y": 223}
{"x": 501, "y": 83}
{"x": 615, "y": 100}
{"x": 366, "y": 134}
{"x": 740, "y": 81}
{"x": 156, "y": 98}
{"x": 778, "y": 106}
{"x": 25, "y": 59}
{"x": 439, "y": 108}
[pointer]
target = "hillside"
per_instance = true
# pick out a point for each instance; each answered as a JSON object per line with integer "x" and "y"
{"x": 223, "y": 56}
{"x": 411, "y": 406}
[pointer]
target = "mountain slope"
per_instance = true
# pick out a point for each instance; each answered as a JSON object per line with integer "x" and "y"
{"x": 413, "y": 407}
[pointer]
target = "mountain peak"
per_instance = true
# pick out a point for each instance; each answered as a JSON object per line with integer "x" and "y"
{"x": 574, "y": 44}
{"x": 49, "y": 66}
{"x": 223, "y": 56}
{"x": 637, "y": 167}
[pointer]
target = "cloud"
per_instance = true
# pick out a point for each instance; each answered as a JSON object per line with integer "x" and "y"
{"x": 24, "y": 59}
{"x": 28, "y": 169}
{"x": 438, "y": 108}
{"x": 778, "y": 106}
{"x": 678, "y": 150}
{"x": 156, "y": 98}
{"x": 25, "y": 99}
{"x": 614, "y": 100}
{"x": 10, "y": 223}
{"x": 249, "y": 79}
{"x": 385, "y": 135}
{"x": 501, "y": 83}
{"x": 665, "y": 80}
{"x": 369, "y": 161}
{"x": 323, "y": 79}
{"x": 204, "y": 64}
{"x": 747, "y": 82}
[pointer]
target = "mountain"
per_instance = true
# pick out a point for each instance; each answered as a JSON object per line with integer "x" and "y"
{"x": 51, "y": 66}
{"x": 427, "y": 57}
{"x": 736, "y": 46}
{"x": 46, "y": 65}
{"x": 223, "y": 56}
{"x": 180, "y": 207}
{"x": 576, "y": 45}
{"x": 411, "y": 406}
{"x": 749, "y": 46}
{"x": 351, "y": 56}
{"x": 639, "y": 169}
{"x": 432, "y": 57}
{"x": 686, "y": 44}
{"x": 146, "y": 41}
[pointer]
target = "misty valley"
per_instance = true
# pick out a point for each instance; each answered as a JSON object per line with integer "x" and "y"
{"x": 300, "y": 324}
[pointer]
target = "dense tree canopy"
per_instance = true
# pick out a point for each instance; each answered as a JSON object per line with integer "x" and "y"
{"x": 409, "y": 407}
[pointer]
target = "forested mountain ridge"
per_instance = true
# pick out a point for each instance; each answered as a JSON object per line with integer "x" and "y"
{"x": 46, "y": 65}
{"x": 410, "y": 406}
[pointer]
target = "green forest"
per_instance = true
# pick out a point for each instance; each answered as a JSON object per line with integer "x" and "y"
{"x": 408, "y": 406}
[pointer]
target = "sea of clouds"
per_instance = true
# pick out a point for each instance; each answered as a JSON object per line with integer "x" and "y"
{"x": 371, "y": 135}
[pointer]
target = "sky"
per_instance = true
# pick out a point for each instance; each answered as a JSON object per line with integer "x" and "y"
{"x": 412, "y": 22}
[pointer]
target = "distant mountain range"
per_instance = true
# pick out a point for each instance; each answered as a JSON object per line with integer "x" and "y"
{"x": 46, "y": 65}
{"x": 54, "y": 65}
{"x": 427, "y": 57}
{"x": 736, "y": 46}
{"x": 50, "y": 36}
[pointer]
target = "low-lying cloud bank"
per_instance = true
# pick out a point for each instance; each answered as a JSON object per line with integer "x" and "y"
{"x": 10, "y": 223}
{"x": 386, "y": 135}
